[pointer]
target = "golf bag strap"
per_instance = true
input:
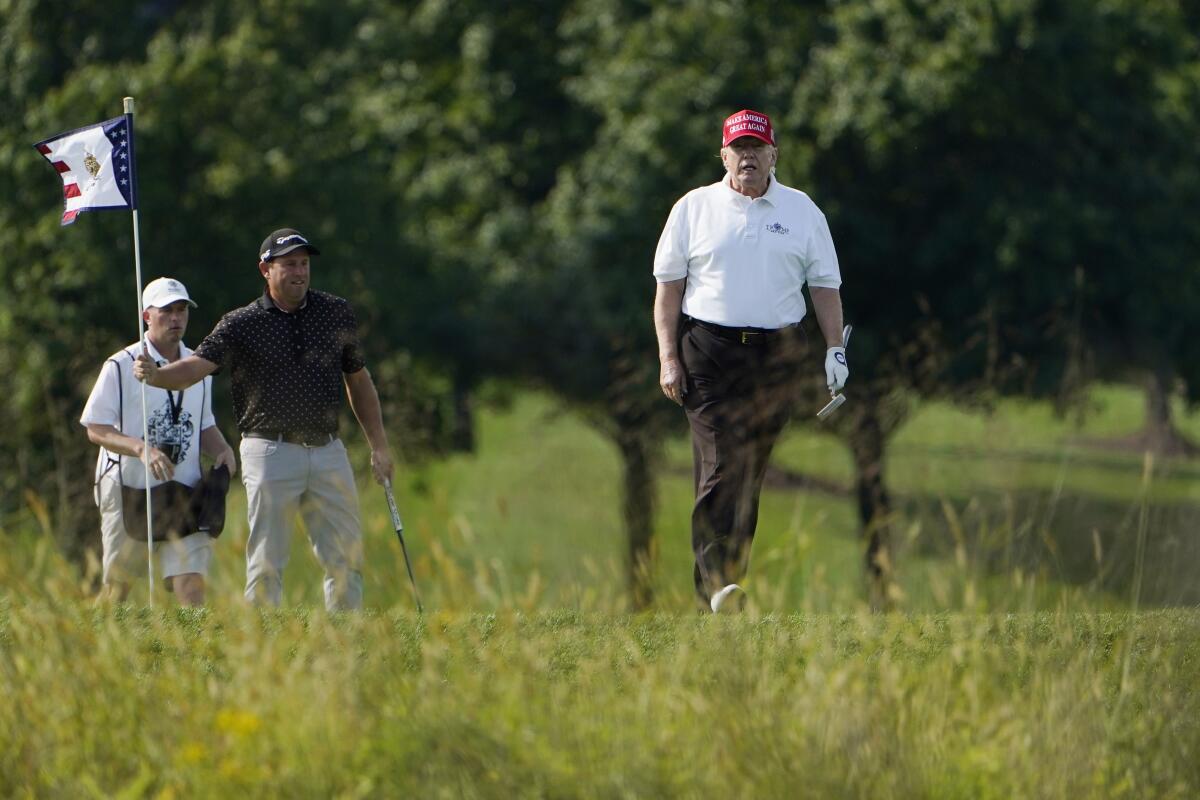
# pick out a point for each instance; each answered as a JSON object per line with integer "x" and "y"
{"x": 114, "y": 462}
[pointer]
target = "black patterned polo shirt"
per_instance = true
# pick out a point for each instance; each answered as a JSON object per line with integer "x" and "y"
{"x": 286, "y": 368}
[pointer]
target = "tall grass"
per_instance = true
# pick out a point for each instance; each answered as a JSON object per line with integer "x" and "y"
{"x": 133, "y": 703}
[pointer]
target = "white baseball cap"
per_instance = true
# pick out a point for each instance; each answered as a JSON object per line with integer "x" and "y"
{"x": 161, "y": 292}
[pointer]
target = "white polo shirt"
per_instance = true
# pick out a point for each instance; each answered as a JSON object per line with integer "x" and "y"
{"x": 746, "y": 259}
{"x": 175, "y": 418}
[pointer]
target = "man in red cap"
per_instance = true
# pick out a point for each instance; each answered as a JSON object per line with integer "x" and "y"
{"x": 731, "y": 264}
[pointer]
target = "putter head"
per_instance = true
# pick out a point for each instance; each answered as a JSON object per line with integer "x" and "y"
{"x": 832, "y": 406}
{"x": 836, "y": 401}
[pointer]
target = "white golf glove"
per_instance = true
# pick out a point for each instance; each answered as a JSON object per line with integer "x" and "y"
{"x": 836, "y": 369}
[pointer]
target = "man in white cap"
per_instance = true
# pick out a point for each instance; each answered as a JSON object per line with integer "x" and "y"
{"x": 181, "y": 426}
{"x": 731, "y": 264}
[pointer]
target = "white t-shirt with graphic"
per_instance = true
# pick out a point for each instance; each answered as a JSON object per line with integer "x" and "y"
{"x": 175, "y": 419}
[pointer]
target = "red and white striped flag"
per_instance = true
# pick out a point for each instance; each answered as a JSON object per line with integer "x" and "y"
{"x": 96, "y": 166}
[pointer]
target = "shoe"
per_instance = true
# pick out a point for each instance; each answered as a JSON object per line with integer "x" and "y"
{"x": 729, "y": 600}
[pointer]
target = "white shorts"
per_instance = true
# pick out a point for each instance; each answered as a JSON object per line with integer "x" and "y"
{"x": 125, "y": 557}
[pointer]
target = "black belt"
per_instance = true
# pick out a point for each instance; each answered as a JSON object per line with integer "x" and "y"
{"x": 304, "y": 439}
{"x": 748, "y": 336}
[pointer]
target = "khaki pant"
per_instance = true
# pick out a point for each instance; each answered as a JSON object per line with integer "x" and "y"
{"x": 125, "y": 558}
{"x": 282, "y": 479}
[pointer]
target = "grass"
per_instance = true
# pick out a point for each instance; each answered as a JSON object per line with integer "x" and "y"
{"x": 1020, "y": 664}
{"x": 295, "y": 703}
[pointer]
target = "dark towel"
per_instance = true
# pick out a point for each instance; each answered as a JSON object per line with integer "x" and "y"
{"x": 208, "y": 502}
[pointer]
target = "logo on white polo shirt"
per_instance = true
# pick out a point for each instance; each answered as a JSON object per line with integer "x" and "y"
{"x": 775, "y": 227}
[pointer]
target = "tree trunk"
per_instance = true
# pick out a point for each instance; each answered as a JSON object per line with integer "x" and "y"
{"x": 462, "y": 425}
{"x": 1159, "y": 434}
{"x": 874, "y": 506}
{"x": 637, "y": 504}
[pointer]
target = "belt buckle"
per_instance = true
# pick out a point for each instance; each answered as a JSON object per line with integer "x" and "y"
{"x": 748, "y": 336}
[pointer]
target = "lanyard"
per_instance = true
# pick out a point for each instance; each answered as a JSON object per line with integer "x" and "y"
{"x": 176, "y": 406}
{"x": 173, "y": 402}
{"x": 174, "y": 443}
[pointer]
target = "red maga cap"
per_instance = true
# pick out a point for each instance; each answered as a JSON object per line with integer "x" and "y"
{"x": 748, "y": 123}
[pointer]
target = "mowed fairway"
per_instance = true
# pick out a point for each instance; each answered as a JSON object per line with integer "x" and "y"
{"x": 1047, "y": 643}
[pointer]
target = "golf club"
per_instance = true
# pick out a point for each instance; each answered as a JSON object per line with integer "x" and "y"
{"x": 399, "y": 526}
{"x": 836, "y": 400}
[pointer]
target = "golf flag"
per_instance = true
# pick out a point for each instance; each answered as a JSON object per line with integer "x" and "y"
{"x": 96, "y": 166}
{"x": 97, "y": 169}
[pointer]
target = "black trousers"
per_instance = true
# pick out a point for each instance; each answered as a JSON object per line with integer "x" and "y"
{"x": 739, "y": 397}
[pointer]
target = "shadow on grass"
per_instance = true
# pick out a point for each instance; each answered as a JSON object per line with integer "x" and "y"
{"x": 1098, "y": 454}
{"x": 780, "y": 478}
{"x": 1077, "y": 539}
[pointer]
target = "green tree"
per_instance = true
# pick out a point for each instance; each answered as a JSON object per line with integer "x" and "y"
{"x": 57, "y": 313}
{"x": 977, "y": 162}
{"x": 469, "y": 125}
{"x": 1002, "y": 172}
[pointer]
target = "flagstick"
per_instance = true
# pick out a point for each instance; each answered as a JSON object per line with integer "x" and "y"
{"x": 137, "y": 265}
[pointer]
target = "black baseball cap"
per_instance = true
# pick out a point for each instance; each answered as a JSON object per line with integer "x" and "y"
{"x": 282, "y": 242}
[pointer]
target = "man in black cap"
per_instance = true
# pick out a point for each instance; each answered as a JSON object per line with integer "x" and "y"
{"x": 288, "y": 354}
